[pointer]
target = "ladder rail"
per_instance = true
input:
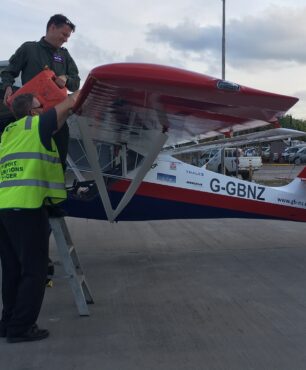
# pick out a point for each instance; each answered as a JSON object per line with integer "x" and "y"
{"x": 71, "y": 264}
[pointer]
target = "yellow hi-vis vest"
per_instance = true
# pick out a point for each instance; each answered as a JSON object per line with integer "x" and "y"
{"x": 30, "y": 175}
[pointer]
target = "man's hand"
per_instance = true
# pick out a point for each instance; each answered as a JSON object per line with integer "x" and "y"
{"x": 8, "y": 92}
{"x": 61, "y": 81}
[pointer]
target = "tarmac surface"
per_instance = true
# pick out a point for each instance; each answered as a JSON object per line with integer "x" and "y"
{"x": 196, "y": 294}
{"x": 282, "y": 173}
{"x": 183, "y": 294}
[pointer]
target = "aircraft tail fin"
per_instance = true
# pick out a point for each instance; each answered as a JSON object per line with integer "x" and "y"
{"x": 302, "y": 174}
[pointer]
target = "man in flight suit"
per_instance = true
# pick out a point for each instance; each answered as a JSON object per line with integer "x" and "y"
{"x": 32, "y": 57}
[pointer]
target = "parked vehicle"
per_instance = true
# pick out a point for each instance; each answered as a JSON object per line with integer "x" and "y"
{"x": 266, "y": 154}
{"x": 234, "y": 162}
{"x": 289, "y": 153}
{"x": 300, "y": 156}
{"x": 251, "y": 152}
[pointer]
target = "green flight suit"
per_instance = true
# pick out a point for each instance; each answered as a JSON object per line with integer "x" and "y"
{"x": 33, "y": 57}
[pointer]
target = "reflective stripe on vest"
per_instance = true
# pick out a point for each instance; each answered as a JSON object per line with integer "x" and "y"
{"x": 43, "y": 157}
{"x": 44, "y": 184}
{"x": 28, "y": 123}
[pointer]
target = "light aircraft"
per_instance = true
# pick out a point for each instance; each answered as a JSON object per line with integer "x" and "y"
{"x": 127, "y": 115}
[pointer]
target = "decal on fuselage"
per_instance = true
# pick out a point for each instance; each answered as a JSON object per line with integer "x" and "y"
{"x": 196, "y": 173}
{"x": 248, "y": 191}
{"x": 166, "y": 177}
{"x": 194, "y": 183}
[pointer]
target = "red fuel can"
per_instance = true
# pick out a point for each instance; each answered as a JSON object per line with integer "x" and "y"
{"x": 44, "y": 88}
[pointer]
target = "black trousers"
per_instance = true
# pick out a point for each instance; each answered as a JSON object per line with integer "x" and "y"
{"x": 24, "y": 242}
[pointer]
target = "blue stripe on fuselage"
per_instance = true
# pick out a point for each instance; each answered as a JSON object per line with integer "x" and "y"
{"x": 143, "y": 208}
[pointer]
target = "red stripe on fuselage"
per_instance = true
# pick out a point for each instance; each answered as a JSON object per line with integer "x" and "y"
{"x": 214, "y": 200}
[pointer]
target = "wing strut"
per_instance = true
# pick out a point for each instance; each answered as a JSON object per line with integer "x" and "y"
{"x": 74, "y": 169}
{"x": 92, "y": 157}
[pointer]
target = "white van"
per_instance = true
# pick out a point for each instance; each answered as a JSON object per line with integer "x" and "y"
{"x": 234, "y": 162}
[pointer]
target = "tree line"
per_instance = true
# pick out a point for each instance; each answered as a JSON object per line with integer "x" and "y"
{"x": 293, "y": 123}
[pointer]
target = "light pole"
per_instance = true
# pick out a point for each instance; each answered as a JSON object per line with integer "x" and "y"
{"x": 223, "y": 73}
{"x": 223, "y": 40}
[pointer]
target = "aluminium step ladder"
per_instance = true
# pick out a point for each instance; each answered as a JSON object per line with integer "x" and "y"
{"x": 71, "y": 264}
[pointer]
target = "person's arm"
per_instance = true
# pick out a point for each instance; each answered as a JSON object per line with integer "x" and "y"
{"x": 53, "y": 119}
{"x": 63, "y": 109}
{"x": 71, "y": 79}
{"x": 16, "y": 64}
{"x": 8, "y": 92}
{"x": 72, "y": 75}
{"x": 47, "y": 127}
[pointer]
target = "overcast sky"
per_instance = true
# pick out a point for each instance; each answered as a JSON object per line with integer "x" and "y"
{"x": 265, "y": 48}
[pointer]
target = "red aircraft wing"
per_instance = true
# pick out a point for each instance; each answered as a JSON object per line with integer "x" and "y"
{"x": 125, "y": 100}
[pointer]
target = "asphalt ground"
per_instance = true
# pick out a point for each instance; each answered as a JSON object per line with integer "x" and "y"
{"x": 276, "y": 171}
{"x": 196, "y": 294}
{"x": 182, "y": 294}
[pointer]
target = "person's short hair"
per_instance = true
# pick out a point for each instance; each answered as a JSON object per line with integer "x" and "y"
{"x": 22, "y": 105}
{"x": 60, "y": 20}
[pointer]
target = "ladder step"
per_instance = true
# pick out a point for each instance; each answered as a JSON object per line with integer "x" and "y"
{"x": 71, "y": 264}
